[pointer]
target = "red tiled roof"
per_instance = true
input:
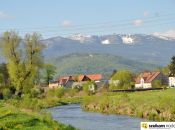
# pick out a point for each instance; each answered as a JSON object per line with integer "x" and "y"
{"x": 147, "y": 76}
{"x": 95, "y": 77}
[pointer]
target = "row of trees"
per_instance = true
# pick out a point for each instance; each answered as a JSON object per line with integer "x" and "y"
{"x": 24, "y": 66}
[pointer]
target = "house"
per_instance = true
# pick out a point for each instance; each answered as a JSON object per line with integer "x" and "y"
{"x": 66, "y": 81}
{"x": 82, "y": 78}
{"x": 145, "y": 79}
{"x": 76, "y": 81}
{"x": 171, "y": 81}
{"x": 53, "y": 84}
{"x": 95, "y": 77}
{"x": 90, "y": 77}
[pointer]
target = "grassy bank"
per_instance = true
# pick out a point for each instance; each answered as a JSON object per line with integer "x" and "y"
{"x": 153, "y": 105}
{"x": 27, "y": 112}
{"x": 27, "y": 115}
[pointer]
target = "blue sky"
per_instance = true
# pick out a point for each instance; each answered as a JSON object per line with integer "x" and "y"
{"x": 66, "y": 17}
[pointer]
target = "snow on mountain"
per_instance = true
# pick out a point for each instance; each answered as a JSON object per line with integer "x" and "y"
{"x": 128, "y": 40}
{"x": 164, "y": 37}
{"x": 168, "y": 35}
{"x": 81, "y": 38}
{"x": 106, "y": 42}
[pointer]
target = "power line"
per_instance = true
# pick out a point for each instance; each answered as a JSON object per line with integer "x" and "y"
{"x": 95, "y": 24}
{"x": 89, "y": 28}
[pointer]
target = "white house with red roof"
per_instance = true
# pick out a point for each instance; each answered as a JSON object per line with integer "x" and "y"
{"x": 145, "y": 79}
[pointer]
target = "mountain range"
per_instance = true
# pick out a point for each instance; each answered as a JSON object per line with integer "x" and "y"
{"x": 155, "y": 49}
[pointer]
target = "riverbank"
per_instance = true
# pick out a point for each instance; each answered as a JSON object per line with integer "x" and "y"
{"x": 152, "y": 105}
{"x": 27, "y": 118}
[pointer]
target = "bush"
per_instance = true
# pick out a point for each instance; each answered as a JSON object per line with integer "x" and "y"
{"x": 121, "y": 80}
{"x": 157, "y": 84}
{"x": 60, "y": 92}
{"x": 87, "y": 87}
{"x": 72, "y": 92}
{"x": 6, "y": 93}
{"x": 36, "y": 92}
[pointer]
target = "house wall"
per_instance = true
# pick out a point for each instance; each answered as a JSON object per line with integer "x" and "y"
{"x": 145, "y": 85}
{"x": 53, "y": 85}
{"x": 172, "y": 81}
{"x": 69, "y": 84}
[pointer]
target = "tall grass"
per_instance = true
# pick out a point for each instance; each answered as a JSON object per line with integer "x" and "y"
{"x": 153, "y": 105}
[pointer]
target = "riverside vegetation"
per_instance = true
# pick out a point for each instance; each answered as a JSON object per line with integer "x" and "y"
{"x": 29, "y": 113}
{"x": 16, "y": 118}
{"x": 152, "y": 105}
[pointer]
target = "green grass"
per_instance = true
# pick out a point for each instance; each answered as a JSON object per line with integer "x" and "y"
{"x": 26, "y": 113}
{"x": 153, "y": 105}
{"x": 15, "y": 118}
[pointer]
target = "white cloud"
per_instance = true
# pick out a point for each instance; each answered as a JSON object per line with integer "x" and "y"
{"x": 169, "y": 33}
{"x": 66, "y": 23}
{"x": 137, "y": 22}
{"x": 3, "y": 15}
{"x": 146, "y": 13}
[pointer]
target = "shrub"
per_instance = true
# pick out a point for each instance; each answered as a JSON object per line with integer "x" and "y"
{"x": 89, "y": 87}
{"x": 72, "y": 92}
{"x": 36, "y": 92}
{"x": 121, "y": 80}
{"x": 156, "y": 84}
{"x": 6, "y": 93}
{"x": 60, "y": 92}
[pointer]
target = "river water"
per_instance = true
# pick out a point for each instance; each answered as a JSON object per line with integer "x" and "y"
{"x": 75, "y": 116}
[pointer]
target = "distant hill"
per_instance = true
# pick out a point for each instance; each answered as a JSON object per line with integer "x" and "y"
{"x": 96, "y": 63}
{"x": 154, "y": 49}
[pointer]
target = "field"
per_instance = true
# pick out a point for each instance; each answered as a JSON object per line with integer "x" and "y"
{"x": 152, "y": 105}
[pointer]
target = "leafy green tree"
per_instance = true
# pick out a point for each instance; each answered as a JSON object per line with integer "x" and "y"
{"x": 121, "y": 80}
{"x": 24, "y": 58}
{"x": 172, "y": 66}
{"x": 49, "y": 73}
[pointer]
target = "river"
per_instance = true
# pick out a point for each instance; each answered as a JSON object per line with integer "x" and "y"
{"x": 75, "y": 116}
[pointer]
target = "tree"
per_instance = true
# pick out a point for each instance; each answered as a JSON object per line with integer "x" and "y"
{"x": 49, "y": 73}
{"x": 172, "y": 66}
{"x": 4, "y": 76}
{"x": 24, "y": 58}
{"x": 121, "y": 80}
